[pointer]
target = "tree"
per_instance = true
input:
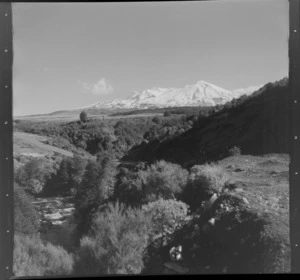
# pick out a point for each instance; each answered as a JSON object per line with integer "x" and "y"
{"x": 34, "y": 186}
{"x": 26, "y": 219}
{"x": 34, "y": 175}
{"x": 62, "y": 177}
{"x": 70, "y": 175}
{"x": 95, "y": 188}
{"x": 83, "y": 116}
{"x": 77, "y": 170}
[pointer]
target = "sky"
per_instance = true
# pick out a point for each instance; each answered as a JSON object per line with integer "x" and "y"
{"x": 69, "y": 55}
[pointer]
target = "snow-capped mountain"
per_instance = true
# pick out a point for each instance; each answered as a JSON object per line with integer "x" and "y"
{"x": 199, "y": 94}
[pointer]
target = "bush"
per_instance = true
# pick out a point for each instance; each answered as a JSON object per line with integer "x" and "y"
{"x": 116, "y": 243}
{"x": 156, "y": 119}
{"x": 162, "y": 180}
{"x": 33, "y": 258}
{"x": 234, "y": 151}
{"x": 167, "y": 216}
{"x": 26, "y": 219}
{"x": 203, "y": 182}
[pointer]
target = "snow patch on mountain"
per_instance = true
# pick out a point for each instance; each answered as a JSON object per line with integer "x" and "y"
{"x": 199, "y": 94}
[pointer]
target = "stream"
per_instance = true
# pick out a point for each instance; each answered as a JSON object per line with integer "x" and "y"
{"x": 57, "y": 221}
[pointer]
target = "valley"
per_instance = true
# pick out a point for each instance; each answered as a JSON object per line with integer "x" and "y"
{"x": 114, "y": 194}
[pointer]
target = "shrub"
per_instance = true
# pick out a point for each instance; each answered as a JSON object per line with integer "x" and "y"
{"x": 167, "y": 216}
{"x": 116, "y": 243}
{"x": 203, "y": 182}
{"x": 26, "y": 219}
{"x": 83, "y": 116}
{"x": 33, "y": 258}
{"x": 156, "y": 119}
{"x": 234, "y": 151}
{"x": 162, "y": 180}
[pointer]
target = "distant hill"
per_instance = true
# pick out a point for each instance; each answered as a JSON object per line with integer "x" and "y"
{"x": 257, "y": 124}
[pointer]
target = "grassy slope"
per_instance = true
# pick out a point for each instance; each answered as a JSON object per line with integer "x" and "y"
{"x": 264, "y": 183}
{"x": 27, "y": 144}
{"x": 262, "y": 180}
{"x": 251, "y": 230}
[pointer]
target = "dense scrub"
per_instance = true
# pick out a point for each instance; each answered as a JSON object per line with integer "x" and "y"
{"x": 116, "y": 243}
{"x": 44, "y": 177}
{"x": 136, "y": 237}
{"x": 115, "y": 136}
{"x": 34, "y": 258}
{"x": 189, "y": 111}
{"x": 159, "y": 180}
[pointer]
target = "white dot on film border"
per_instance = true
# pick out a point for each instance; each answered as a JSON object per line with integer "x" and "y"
{"x": 295, "y": 137}
{"x": 295, "y": 30}
{"x": 6, "y": 50}
{"x": 6, "y": 86}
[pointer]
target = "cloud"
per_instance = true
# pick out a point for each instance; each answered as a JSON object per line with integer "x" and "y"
{"x": 102, "y": 87}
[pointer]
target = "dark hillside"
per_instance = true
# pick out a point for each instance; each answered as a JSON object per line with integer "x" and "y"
{"x": 257, "y": 124}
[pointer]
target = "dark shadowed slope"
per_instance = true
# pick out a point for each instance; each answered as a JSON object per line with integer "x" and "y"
{"x": 258, "y": 124}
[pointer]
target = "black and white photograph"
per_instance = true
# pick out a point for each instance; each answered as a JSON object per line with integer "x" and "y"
{"x": 151, "y": 138}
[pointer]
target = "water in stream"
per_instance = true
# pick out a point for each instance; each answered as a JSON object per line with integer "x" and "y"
{"x": 57, "y": 221}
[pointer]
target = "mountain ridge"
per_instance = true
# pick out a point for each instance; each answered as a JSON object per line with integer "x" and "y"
{"x": 199, "y": 94}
